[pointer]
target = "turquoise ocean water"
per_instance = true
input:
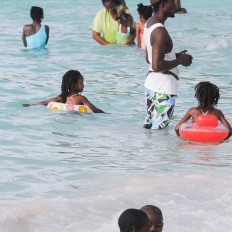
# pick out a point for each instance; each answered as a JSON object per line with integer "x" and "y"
{"x": 73, "y": 172}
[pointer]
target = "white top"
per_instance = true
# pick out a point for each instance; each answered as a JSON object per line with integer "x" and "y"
{"x": 157, "y": 81}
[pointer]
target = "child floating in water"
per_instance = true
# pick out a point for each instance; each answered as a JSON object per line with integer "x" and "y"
{"x": 155, "y": 217}
{"x": 126, "y": 31}
{"x": 35, "y": 35}
{"x": 207, "y": 95}
{"x": 133, "y": 220}
{"x": 145, "y": 12}
{"x": 71, "y": 87}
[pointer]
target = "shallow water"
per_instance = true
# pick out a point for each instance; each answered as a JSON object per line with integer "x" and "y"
{"x": 76, "y": 172}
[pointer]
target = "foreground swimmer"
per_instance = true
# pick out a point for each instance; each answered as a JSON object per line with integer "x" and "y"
{"x": 155, "y": 217}
{"x": 71, "y": 88}
{"x": 35, "y": 35}
{"x": 133, "y": 220}
{"x": 207, "y": 95}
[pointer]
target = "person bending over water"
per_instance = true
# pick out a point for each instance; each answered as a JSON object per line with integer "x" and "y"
{"x": 133, "y": 220}
{"x": 162, "y": 79}
{"x": 71, "y": 88}
{"x": 207, "y": 95}
{"x": 179, "y": 9}
{"x": 155, "y": 217}
{"x": 35, "y": 35}
{"x": 106, "y": 23}
{"x": 145, "y": 12}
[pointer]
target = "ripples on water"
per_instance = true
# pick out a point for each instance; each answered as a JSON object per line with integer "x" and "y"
{"x": 84, "y": 170}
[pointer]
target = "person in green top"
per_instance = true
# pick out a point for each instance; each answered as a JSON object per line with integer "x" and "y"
{"x": 105, "y": 24}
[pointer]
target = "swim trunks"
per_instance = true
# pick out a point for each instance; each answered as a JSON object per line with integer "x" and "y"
{"x": 160, "y": 108}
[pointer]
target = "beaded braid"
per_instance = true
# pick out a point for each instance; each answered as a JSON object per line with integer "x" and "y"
{"x": 69, "y": 80}
{"x": 207, "y": 95}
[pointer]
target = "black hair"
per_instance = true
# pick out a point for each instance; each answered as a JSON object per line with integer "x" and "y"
{"x": 156, "y": 5}
{"x": 132, "y": 219}
{"x": 207, "y": 95}
{"x": 153, "y": 209}
{"x": 69, "y": 80}
{"x": 36, "y": 13}
{"x": 116, "y": 2}
{"x": 145, "y": 11}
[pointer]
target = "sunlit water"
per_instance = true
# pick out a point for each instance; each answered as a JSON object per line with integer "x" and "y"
{"x": 76, "y": 172}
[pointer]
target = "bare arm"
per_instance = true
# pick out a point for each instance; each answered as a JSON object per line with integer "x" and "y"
{"x": 97, "y": 36}
{"x": 226, "y": 123}
{"x": 24, "y": 38}
{"x": 47, "y": 32}
{"x": 131, "y": 39}
{"x": 158, "y": 40}
{"x": 183, "y": 120}
{"x": 138, "y": 35}
{"x": 86, "y": 102}
{"x": 147, "y": 57}
{"x": 55, "y": 99}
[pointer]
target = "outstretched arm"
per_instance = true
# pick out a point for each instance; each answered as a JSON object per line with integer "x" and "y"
{"x": 183, "y": 120}
{"x": 86, "y": 102}
{"x": 97, "y": 36}
{"x": 56, "y": 99}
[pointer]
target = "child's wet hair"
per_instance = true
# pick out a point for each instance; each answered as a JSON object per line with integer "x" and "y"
{"x": 69, "y": 80}
{"x": 36, "y": 13}
{"x": 132, "y": 219}
{"x": 145, "y": 11}
{"x": 207, "y": 95}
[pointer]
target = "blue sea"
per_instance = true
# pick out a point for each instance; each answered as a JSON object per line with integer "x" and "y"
{"x": 65, "y": 172}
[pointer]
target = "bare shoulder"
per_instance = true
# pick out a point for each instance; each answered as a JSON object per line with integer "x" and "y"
{"x": 218, "y": 113}
{"x": 192, "y": 111}
{"x": 27, "y": 27}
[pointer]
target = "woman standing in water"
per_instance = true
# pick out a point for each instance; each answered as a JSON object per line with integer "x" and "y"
{"x": 35, "y": 35}
{"x": 106, "y": 22}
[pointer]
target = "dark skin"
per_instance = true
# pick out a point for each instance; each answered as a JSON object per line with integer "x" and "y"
{"x": 179, "y": 9}
{"x": 33, "y": 28}
{"x": 76, "y": 100}
{"x": 194, "y": 112}
{"x": 161, "y": 41}
{"x": 111, "y": 8}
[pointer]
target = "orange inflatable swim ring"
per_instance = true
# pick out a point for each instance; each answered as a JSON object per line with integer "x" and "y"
{"x": 205, "y": 130}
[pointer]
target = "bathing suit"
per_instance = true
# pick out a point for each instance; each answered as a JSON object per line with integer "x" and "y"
{"x": 70, "y": 98}
{"x": 37, "y": 40}
{"x": 122, "y": 37}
